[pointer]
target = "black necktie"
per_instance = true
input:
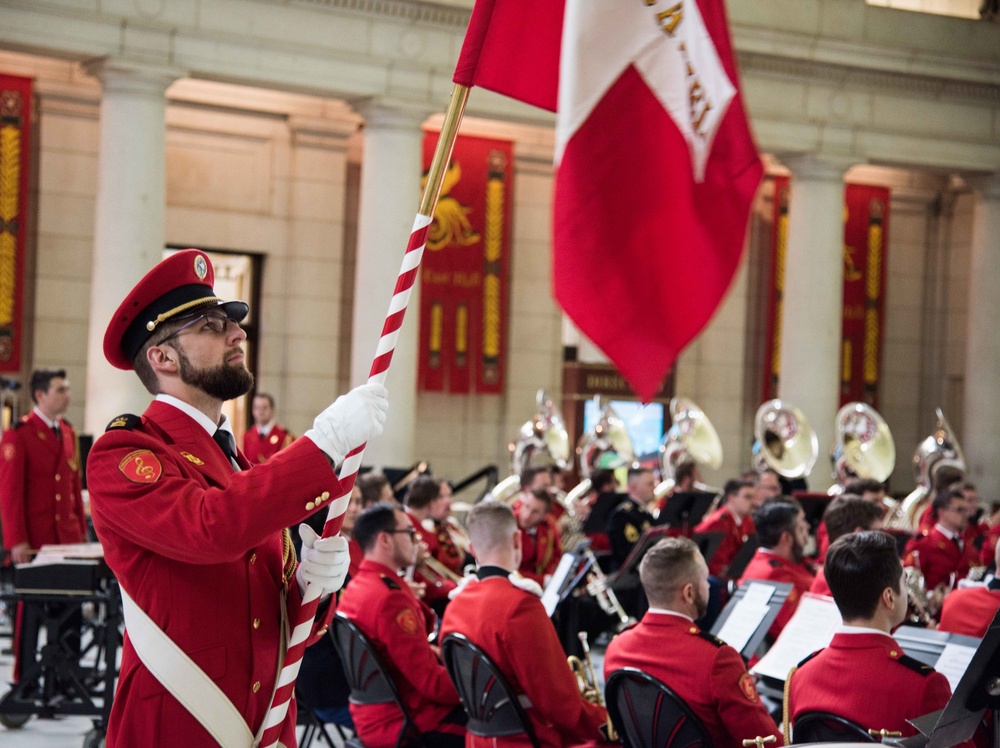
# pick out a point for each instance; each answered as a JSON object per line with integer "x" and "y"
{"x": 226, "y": 443}
{"x": 56, "y": 431}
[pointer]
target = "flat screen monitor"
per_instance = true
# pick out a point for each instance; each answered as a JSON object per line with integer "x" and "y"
{"x": 644, "y": 422}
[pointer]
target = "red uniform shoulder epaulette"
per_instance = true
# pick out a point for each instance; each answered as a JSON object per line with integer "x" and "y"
{"x": 391, "y": 583}
{"x": 707, "y": 636}
{"x": 806, "y": 659}
{"x": 125, "y": 421}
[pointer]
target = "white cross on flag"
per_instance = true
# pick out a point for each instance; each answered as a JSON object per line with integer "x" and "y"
{"x": 656, "y": 168}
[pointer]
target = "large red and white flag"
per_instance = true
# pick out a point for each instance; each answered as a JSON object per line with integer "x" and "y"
{"x": 656, "y": 168}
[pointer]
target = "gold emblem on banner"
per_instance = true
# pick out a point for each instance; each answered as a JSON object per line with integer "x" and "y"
{"x": 451, "y": 219}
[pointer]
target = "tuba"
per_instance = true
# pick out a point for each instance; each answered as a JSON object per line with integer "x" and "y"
{"x": 691, "y": 438}
{"x": 542, "y": 442}
{"x": 864, "y": 445}
{"x": 940, "y": 449}
{"x": 784, "y": 440}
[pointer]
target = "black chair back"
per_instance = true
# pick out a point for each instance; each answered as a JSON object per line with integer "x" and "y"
{"x": 825, "y": 727}
{"x": 487, "y": 697}
{"x": 367, "y": 675}
{"x": 647, "y": 714}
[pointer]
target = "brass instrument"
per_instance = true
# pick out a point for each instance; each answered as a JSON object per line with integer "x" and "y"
{"x": 938, "y": 450}
{"x": 586, "y": 680}
{"x": 691, "y": 438}
{"x": 437, "y": 573}
{"x": 864, "y": 448}
{"x": 923, "y": 605}
{"x": 597, "y": 586}
{"x": 784, "y": 440}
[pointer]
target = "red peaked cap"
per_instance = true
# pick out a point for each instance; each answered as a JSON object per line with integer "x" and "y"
{"x": 177, "y": 287}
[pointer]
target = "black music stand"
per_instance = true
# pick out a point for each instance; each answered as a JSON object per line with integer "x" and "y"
{"x": 708, "y": 543}
{"x": 605, "y": 503}
{"x": 927, "y": 645}
{"x": 739, "y": 563}
{"x": 778, "y": 597}
{"x": 978, "y": 691}
{"x": 685, "y": 509}
{"x": 631, "y": 564}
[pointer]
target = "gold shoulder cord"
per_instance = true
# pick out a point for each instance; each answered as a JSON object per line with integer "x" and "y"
{"x": 288, "y": 560}
{"x": 785, "y": 724}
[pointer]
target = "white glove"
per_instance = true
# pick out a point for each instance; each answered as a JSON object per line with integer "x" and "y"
{"x": 324, "y": 561}
{"x": 352, "y": 420}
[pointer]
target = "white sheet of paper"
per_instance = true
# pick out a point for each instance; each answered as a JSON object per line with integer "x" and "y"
{"x": 742, "y": 622}
{"x": 550, "y": 597}
{"x": 811, "y": 627}
{"x": 954, "y": 660}
{"x": 758, "y": 594}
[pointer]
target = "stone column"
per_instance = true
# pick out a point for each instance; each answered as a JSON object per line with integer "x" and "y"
{"x": 129, "y": 225}
{"x": 390, "y": 197}
{"x": 813, "y": 298}
{"x": 981, "y": 427}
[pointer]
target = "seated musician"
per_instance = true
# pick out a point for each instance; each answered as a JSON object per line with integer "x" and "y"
{"x": 374, "y": 488}
{"x": 782, "y": 531}
{"x": 631, "y": 518}
{"x": 541, "y": 547}
{"x": 942, "y": 554}
{"x": 705, "y": 672}
{"x": 533, "y": 479}
{"x": 970, "y": 610}
{"x": 766, "y": 486}
{"x": 868, "y": 489}
{"x": 685, "y": 477}
{"x": 846, "y": 513}
{"x": 946, "y": 478}
{"x": 863, "y": 675}
{"x": 977, "y": 529}
{"x": 733, "y": 519}
{"x": 500, "y": 614}
{"x": 428, "y": 502}
{"x": 384, "y": 608}
{"x": 601, "y": 482}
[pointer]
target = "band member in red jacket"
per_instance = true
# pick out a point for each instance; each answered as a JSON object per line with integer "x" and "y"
{"x": 970, "y": 610}
{"x": 734, "y": 520}
{"x": 782, "y": 531}
{"x": 263, "y": 440}
{"x": 540, "y": 542}
{"x": 428, "y": 502}
{"x": 397, "y": 623}
{"x": 942, "y": 554}
{"x": 40, "y": 495}
{"x": 863, "y": 675}
{"x": 193, "y": 533}
{"x": 846, "y": 513}
{"x": 504, "y": 616}
{"x": 705, "y": 672}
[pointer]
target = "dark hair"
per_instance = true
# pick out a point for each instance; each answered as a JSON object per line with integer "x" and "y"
{"x": 847, "y": 512}
{"x": 422, "y": 491}
{"x": 861, "y": 486}
{"x": 267, "y": 396}
{"x": 764, "y": 472}
{"x": 667, "y": 567}
{"x": 141, "y": 364}
{"x": 733, "y": 487}
{"x": 529, "y": 473}
{"x": 637, "y": 471}
{"x": 41, "y": 379}
{"x": 684, "y": 471}
{"x": 602, "y": 480}
{"x": 378, "y": 518}
{"x": 371, "y": 485}
{"x": 942, "y": 499}
{"x": 945, "y": 475}
{"x": 542, "y": 495}
{"x": 859, "y": 567}
{"x": 772, "y": 518}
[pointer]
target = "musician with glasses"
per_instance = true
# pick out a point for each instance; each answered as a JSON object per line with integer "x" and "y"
{"x": 705, "y": 672}
{"x": 502, "y": 614}
{"x": 40, "y": 495}
{"x": 863, "y": 675}
{"x": 942, "y": 554}
{"x": 196, "y": 535}
{"x": 397, "y": 623}
{"x": 266, "y": 436}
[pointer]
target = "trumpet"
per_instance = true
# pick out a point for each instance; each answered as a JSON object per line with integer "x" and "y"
{"x": 586, "y": 680}
{"x": 597, "y": 586}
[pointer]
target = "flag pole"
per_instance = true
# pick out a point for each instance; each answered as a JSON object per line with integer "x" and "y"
{"x": 301, "y": 628}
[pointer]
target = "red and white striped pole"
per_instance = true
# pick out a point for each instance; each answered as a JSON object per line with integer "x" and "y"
{"x": 380, "y": 367}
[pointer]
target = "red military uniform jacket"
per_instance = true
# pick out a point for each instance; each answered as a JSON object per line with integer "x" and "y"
{"x": 437, "y": 589}
{"x": 970, "y": 610}
{"x": 819, "y": 585}
{"x": 511, "y": 626}
{"x": 723, "y": 520}
{"x": 541, "y": 550}
{"x": 385, "y": 609}
{"x": 40, "y": 497}
{"x": 770, "y": 567}
{"x": 200, "y": 549}
{"x": 866, "y": 678}
{"x": 822, "y": 542}
{"x": 259, "y": 448}
{"x": 939, "y": 558}
{"x": 705, "y": 672}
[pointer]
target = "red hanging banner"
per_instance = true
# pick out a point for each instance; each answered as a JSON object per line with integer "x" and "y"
{"x": 465, "y": 269}
{"x": 15, "y": 134}
{"x": 866, "y": 232}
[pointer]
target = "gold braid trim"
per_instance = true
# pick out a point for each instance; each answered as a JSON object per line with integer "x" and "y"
{"x": 288, "y": 560}
{"x": 151, "y": 325}
{"x": 785, "y": 722}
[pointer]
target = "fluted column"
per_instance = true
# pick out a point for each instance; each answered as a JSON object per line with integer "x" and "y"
{"x": 129, "y": 217}
{"x": 813, "y": 299}
{"x": 981, "y": 427}
{"x": 390, "y": 196}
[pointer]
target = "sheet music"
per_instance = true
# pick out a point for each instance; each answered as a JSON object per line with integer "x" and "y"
{"x": 58, "y": 554}
{"x": 550, "y": 597}
{"x": 954, "y": 660}
{"x": 812, "y": 627}
{"x": 746, "y": 616}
